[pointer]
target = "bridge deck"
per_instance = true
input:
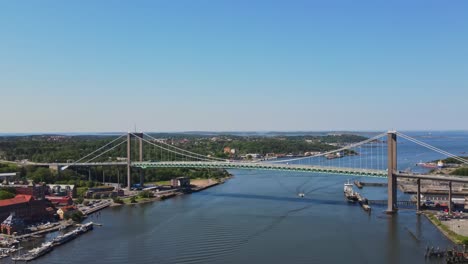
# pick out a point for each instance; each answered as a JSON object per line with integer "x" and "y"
{"x": 263, "y": 166}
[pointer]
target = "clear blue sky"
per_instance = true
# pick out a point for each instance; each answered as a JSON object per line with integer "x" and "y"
{"x": 233, "y": 65}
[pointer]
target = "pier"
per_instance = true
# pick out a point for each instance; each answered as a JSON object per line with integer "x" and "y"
{"x": 50, "y": 245}
{"x": 87, "y": 210}
{"x": 361, "y": 184}
{"x": 363, "y": 202}
{"x": 57, "y": 226}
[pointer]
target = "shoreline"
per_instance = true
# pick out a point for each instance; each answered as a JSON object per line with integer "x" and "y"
{"x": 445, "y": 230}
{"x": 176, "y": 192}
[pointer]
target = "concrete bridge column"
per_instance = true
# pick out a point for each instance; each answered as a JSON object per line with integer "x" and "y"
{"x": 140, "y": 141}
{"x": 450, "y": 197}
{"x": 418, "y": 195}
{"x": 129, "y": 164}
{"x": 392, "y": 165}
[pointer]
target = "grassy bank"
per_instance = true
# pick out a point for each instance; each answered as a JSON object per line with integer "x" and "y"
{"x": 128, "y": 200}
{"x": 456, "y": 238}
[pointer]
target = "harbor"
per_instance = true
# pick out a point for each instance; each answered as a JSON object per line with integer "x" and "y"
{"x": 48, "y": 246}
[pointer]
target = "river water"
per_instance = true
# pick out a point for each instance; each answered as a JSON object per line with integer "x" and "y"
{"x": 257, "y": 217}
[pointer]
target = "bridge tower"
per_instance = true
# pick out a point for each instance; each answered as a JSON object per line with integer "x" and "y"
{"x": 129, "y": 156}
{"x": 392, "y": 169}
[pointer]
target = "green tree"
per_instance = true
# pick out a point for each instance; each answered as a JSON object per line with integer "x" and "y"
{"x": 118, "y": 200}
{"x": 6, "y": 195}
{"x": 145, "y": 194}
{"x": 76, "y": 216}
{"x": 460, "y": 172}
{"x": 79, "y": 200}
{"x": 42, "y": 175}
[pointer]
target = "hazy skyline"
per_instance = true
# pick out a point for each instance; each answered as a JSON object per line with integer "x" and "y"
{"x": 233, "y": 65}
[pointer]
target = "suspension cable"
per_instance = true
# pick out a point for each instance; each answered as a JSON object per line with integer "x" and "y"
{"x": 183, "y": 150}
{"x": 335, "y": 150}
{"x": 106, "y": 151}
{"x": 174, "y": 152}
{"x": 433, "y": 148}
{"x": 98, "y": 149}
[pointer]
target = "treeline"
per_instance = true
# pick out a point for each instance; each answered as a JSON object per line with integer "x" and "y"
{"x": 50, "y": 148}
{"x": 452, "y": 160}
{"x": 460, "y": 171}
{"x": 71, "y": 148}
{"x": 95, "y": 176}
{"x": 262, "y": 145}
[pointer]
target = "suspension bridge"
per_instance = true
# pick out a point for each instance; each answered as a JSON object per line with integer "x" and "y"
{"x": 373, "y": 157}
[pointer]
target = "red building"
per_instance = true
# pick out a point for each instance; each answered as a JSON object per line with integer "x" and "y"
{"x": 26, "y": 208}
{"x": 37, "y": 191}
{"x": 59, "y": 201}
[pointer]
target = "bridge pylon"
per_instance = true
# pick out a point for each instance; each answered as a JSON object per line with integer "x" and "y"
{"x": 391, "y": 170}
{"x": 129, "y": 156}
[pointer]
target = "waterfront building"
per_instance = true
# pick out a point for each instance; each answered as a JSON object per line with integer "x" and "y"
{"x": 180, "y": 182}
{"x": 66, "y": 211}
{"x": 12, "y": 224}
{"x": 26, "y": 208}
{"x": 59, "y": 201}
{"x": 103, "y": 192}
{"x": 37, "y": 191}
{"x": 61, "y": 190}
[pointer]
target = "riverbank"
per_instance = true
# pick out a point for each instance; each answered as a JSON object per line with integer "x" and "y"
{"x": 196, "y": 186}
{"x": 447, "y": 229}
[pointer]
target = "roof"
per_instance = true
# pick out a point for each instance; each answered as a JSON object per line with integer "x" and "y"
{"x": 8, "y": 174}
{"x": 12, "y": 220}
{"x": 62, "y": 186}
{"x": 58, "y": 199}
{"x": 68, "y": 208}
{"x": 18, "y": 199}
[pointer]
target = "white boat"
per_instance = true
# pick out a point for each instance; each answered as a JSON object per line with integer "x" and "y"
{"x": 35, "y": 252}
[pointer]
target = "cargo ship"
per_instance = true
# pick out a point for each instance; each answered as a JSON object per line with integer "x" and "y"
{"x": 349, "y": 193}
{"x": 432, "y": 165}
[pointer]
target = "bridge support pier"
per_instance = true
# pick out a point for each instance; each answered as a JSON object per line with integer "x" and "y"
{"x": 129, "y": 162}
{"x": 140, "y": 142}
{"x": 392, "y": 165}
{"x": 450, "y": 197}
{"x": 418, "y": 196}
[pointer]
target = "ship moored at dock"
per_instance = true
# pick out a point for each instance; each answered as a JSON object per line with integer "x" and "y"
{"x": 35, "y": 252}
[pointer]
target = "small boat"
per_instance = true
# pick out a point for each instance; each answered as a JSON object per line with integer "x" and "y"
{"x": 301, "y": 195}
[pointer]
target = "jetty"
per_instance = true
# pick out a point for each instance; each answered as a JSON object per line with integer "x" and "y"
{"x": 86, "y": 210}
{"x": 363, "y": 202}
{"x": 54, "y": 227}
{"x": 361, "y": 184}
{"x": 50, "y": 245}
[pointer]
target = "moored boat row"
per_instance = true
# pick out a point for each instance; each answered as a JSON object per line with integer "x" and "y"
{"x": 35, "y": 252}
{"x": 57, "y": 241}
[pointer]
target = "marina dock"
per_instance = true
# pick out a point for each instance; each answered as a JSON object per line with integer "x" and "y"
{"x": 50, "y": 245}
{"x": 60, "y": 225}
{"x": 86, "y": 210}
